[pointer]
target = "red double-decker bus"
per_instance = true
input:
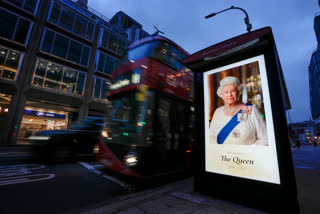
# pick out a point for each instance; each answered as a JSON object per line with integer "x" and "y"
{"x": 152, "y": 111}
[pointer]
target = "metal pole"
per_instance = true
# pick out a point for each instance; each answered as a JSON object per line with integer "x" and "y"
{"x": 246, "y": 19}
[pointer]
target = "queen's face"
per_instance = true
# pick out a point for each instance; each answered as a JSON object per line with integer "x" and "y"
{"x": 230, "y": 94}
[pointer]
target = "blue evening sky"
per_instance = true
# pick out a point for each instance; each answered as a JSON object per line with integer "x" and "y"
{"x": 183, "y": 22}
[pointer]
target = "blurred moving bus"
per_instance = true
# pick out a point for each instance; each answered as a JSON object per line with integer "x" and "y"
{"x": 151, "y": 130}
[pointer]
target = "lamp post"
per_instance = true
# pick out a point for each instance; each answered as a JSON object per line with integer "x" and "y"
{"x": 246, "y": 19}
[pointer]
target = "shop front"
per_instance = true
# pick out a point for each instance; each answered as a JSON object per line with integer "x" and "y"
{"x": 36, "y": 119}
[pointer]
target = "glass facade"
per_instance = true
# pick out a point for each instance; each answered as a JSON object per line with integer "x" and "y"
{"x": 159, "y": 50}
{"x": 113, "y": 42}
{"x": 28, "y": 5}
{"x": 65, "y": 48}
{"x": 100, "y": 88}
{"x": 9, "y": 63}
{"x": 314, "y": 75}
{"x": 106, "y": 63}
{"x": 54, "y": 76}
{"x": 14, "y": 27}
{"x": 71, "y": 21}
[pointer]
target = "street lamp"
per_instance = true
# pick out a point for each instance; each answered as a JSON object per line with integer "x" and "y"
{"x": 246, "y": 19}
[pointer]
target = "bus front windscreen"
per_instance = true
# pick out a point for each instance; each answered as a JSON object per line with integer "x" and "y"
{"x": 131, "y": 119}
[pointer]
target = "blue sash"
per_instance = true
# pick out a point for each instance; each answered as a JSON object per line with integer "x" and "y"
{"x": 226, "y": 130}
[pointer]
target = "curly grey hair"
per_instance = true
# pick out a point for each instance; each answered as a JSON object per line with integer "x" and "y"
{"x": 229, "y": 81}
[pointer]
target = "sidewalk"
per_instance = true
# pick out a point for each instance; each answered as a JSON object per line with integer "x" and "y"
{"x": 174, "y": 198}
{"x": 180, "y": 197}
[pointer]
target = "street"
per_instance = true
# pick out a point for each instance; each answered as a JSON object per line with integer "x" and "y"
{"x": 29, "y": 186}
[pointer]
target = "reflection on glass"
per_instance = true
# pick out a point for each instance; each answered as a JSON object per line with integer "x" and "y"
{"x": 132, "y": 117}
{"x": 55, "y": 13}
{"x": 69, "y": 81}
{"x": 80, "y": 26}
{"x": 60, "y": 46}
{"x": 104, "y": 89}
{"x": 90, "y": 31}
{"x": 3, "y": 55}
{"x": 85, "y": 55}
{"x": 97, "y": 88}
{"x": 106, "y": 63}
{"x": 58, "y": 77}
{"x": 71, "y": 21}
{"x": 13, "y": 60}
{"x": 53, "y": 77}
{"x": 47, "y": 41}
{"x": 40, "y": 73}
{"x": 74, "y": 52}
{"x": 77, "y": 52}
{"x": 9, "y": 63}
{"x": 30, "y": 5}
{"x": 113, "y": 43}
{"x": 80, "y": 83}
{"x": 109, "y": 65}
{"x": 104, "y": 40}
{"x": 66, "y": 19}
{"x": 7, "y": 24}
{"x": 8, "y": 74}
{"x": 22, "y": 31}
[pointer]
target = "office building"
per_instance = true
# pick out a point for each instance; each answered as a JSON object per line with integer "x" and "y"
{"x": 56, "y": 60}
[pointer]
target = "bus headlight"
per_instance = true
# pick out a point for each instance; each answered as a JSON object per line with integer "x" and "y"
{"x": 104, "y": 133}
{"x": 131, "y": 159}
{"x": 96, "y": 149}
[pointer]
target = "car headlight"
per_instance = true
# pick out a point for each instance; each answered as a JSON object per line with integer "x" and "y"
{"x": 131, "y": 159}
{"x": 39, "y": 138}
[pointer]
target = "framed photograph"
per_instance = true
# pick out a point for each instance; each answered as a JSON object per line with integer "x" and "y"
{"x": 238, "y": 124}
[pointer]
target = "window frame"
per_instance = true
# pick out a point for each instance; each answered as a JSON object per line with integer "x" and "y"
{"x": 5, "y": 61}
{"x": 76, "y": 14}
{"x": 64, "y": 68}
{"x": 31, "y": 23}
{"x": 67, "y": 53}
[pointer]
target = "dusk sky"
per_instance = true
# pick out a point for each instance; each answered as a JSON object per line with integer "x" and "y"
{"x": 183, "y": 22}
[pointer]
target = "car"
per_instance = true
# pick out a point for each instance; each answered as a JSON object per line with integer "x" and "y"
{"x": 79, "y": 140}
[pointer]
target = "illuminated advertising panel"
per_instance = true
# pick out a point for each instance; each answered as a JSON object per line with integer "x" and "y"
{"x": 242, "y": 147}
{"x": 239, "y": 132}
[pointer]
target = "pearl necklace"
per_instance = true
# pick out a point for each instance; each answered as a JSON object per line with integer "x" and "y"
{"x": 231, "y": 111}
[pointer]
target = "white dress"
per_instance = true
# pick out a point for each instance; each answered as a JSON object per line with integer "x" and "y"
{"x": 251, "y": 131}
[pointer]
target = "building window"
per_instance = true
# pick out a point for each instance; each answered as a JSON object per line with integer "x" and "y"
{"x": 66, "y": 48}
{"x": 113, "y": 43}
{"x": 28, "y": 5}
{"x": 5, "y": 100}
{"x": 14, "y": 27}
{"x": 100, "y": 87}
{"x": 60, "y": 46}
{"x": 106, "y": 63}
{"x": 9, "y": 63}
{"x": 71, "y": 21}
{"x": 54, "y": 76}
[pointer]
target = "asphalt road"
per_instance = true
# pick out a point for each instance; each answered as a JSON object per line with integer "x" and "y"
{"x": 28, "y": 187}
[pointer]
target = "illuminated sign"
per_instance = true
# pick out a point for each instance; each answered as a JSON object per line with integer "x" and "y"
{"x": 39, "y": 113}
{"x": 240, "y": 144}
{"x": 44, "y": 114}
{"x": 125, "y": 80}
{"x": 119, "y": 84}
{"x": 243, "y": 149}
